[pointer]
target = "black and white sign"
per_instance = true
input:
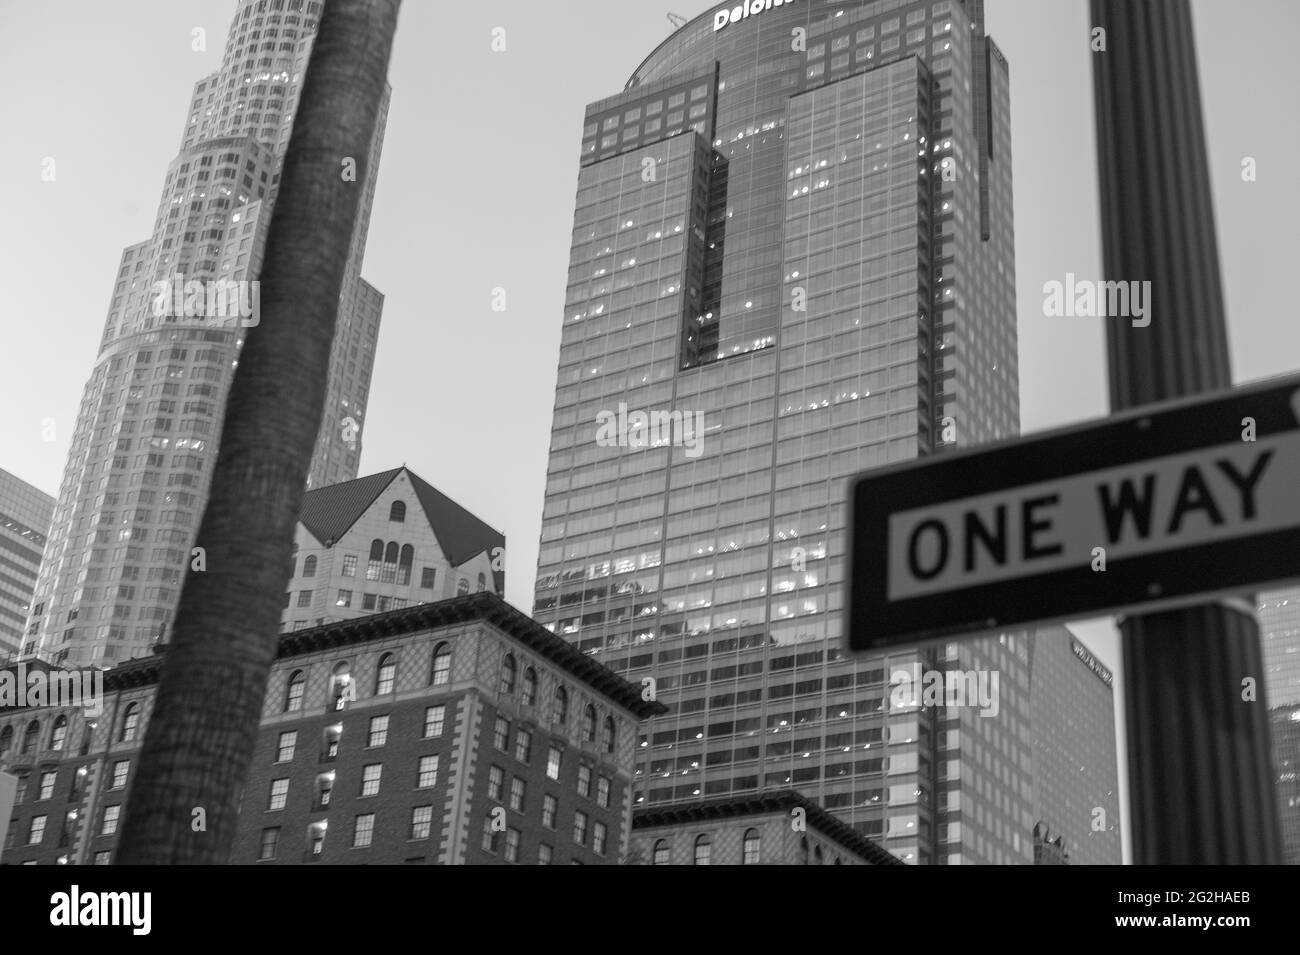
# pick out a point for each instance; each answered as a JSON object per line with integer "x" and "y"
{"x": 1161, "y": 506}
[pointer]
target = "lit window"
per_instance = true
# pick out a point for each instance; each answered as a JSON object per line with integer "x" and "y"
{"x": 288, "y": 742}
{"x": 496, "y": 783}
{"x": 553, "y": 763}
{"x": 111, "y": 815}
{"x": 364, "y": 831}
{"x": 442, "y": 665}
{"x": 427, "y": 775}
{"x": 434, "y": 717}
{"x": 387, "y": 674}
{"x": 370, "y": 776}
{"x": 279, "y": 794}
{"x": 421, "y": 822}
{"x": 702, "y": 847}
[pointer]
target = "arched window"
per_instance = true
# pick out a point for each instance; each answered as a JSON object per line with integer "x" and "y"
{"x": 508, "y": 670}
{"x": 560, "y": 709}
{"x": 390, "y": 563}
{"x": 482, "y": 582}
{"x": 817, "y": 855}
{"x": 309, "y": 566}
{"x": 463, "y": 586}
{"x": 404, "y": 565}
{"x": 660, "y": 854}
{"x": 837, "y": 861}
{"x": 442, "y": 665}
{"x": 530, "y": 687}
{"x": 609, "y": 735}
{"x": 753, "y": 847}
{"x": 60, "y": 734}
{"x": 88, "y": 737}
{"x": 30, "y": 737}
{"x": 293, "y": 695}
{"x": 803, "y": 851}
{"x": 130, "y": 723}
{"x": 702, "y": 848}
{"x": 589, "y": 724}
{"x": 376, "y": 558}
{"x": 386, "y": 676}
{"x": 398, "y": 511}
{"x": 6, "y": 739}
{"x": 341, "y": 690}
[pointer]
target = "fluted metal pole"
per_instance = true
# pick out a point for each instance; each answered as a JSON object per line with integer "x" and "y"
{"x": 1200, "y": 778}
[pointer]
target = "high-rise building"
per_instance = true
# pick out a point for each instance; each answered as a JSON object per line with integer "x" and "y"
{"x": 791, "y": 261}
{"x": 384, "y": 542}
{"x": 145, "y": 441}
{"x": 1285, "y": 724}
{"x": 1075, "y": 769}
{"x": 25, "y": 514}
{"x": 1279, "y": 630}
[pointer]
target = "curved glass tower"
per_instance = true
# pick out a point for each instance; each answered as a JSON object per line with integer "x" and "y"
{"x": 792, "y": 254}
{"x": 137, "y": 475}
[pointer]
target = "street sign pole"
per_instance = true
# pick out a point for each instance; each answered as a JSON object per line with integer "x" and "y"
{"x": 1200, "y": 779}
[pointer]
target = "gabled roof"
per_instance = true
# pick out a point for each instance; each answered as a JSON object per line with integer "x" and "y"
{"x": 329, "y": 512}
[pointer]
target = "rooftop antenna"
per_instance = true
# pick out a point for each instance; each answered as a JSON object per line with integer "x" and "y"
{"x": 676, "y": 20}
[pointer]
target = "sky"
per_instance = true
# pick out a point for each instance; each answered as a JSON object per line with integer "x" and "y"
{"x": 475, "y": 192}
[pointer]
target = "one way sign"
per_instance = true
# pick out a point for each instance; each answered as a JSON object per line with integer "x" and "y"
{"x": 1166, "y": 505}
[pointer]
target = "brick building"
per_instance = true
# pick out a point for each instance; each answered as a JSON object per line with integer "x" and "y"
{"x": 460, "y": 732}
{"x": 777, "y": 828}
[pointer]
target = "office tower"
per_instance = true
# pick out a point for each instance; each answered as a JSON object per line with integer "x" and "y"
{"x": 791, "y": 261}
{"x": 146, "y": 435}
{"x": 383, "y": 542}
{"x": 399, "y": 738}
{"x": 25, "y": 516}
{"x": 1075, "y": 768}
{"x": 1279, "y": 628}
{"x": 1285, "y": 723}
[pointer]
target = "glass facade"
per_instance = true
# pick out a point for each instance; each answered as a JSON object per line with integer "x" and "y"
{"x": 791, "y": 262}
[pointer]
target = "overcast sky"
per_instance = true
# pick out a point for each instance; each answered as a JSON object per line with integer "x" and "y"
{"x": 476, "y": 190}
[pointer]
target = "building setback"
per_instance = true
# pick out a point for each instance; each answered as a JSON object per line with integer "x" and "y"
{"x": 25, "y": 514}
{"x": 460, "y": 732}
{"x": 145, "y": 440}
{"x": 776, "y": 828}
{"x": 791, "y": 261}
{"x": 383, "y": 542}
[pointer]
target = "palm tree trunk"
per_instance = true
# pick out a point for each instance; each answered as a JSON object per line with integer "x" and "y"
{"x": 204, "y": 725}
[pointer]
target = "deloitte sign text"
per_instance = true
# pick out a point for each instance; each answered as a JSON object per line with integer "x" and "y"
{"x": 748, "y": 8}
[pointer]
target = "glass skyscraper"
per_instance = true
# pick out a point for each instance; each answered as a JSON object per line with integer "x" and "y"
{"x": 791, "y": 261}
{"x": 137, "y": 475}
{"x": 24, "y": 521}
{"x": 1075, "y": 769}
